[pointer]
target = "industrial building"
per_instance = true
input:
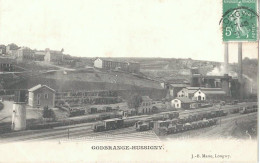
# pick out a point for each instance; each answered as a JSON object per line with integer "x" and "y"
{"x": 41, "y": 96}
{"x": 210, "y": 81}
{"x": 146, "y": 105}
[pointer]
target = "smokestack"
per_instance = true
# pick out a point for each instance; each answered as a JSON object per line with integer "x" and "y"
{"x": 240, "y": 72}
{"x": 226, "y": 69}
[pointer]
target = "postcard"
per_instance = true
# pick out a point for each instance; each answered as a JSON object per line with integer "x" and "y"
{"x": 129, "y": 80}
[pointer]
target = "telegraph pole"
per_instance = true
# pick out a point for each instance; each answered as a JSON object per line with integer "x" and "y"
{"x": 220, "y": 116}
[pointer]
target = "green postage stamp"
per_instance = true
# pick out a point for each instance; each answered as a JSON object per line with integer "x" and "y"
{"x": 239, "y": 20}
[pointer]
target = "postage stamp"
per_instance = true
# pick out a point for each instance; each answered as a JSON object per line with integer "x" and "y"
{"x": 239, "y": 20}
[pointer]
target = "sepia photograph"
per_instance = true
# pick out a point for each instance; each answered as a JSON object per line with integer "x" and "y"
{"x": 129, "y": 80}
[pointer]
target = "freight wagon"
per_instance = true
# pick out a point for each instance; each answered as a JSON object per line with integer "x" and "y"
{"x": 112, "y": 124}
{"x": 172, "y": 129}
{"x": 248, "y": 109}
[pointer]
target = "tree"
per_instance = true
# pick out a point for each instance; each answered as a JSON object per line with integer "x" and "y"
{"x": 48, "y": 113}
{"x": 13, "y": 46}
{"x": 134, "y": 101}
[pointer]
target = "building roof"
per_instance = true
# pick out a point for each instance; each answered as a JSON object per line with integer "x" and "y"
{"x": 6, "y": 60}
{"x": 38, "y": 87}
{"x": 177, "y": 81}
{"x": 54, "y": 51}
{"x": 185, "y": 100}
{"x": 208, "y": 91}
{"x": 192, "y": 91}
{"x": 214, "y": 92}
{"x": 146, "y": 98}
{"x": 203, "y": 88}
{"x": 106, "y": 59}
{"x": 40, "y": 52}
{"x": 178, "y": 85}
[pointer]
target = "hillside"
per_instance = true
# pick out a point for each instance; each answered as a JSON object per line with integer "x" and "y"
{"x": 152, "y": 70}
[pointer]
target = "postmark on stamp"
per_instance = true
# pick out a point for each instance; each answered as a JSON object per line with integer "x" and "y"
{"x": 239, "y": 20}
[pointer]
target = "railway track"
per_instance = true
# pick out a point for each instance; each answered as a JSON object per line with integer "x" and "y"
{"x": 84, "y": 130}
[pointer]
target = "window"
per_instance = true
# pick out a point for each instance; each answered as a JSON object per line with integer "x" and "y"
{"x": 177, "y": 105}
{"x": 38, "y": 102}
{"x": 38, "y": 95}
{"x": 46, "y": 96}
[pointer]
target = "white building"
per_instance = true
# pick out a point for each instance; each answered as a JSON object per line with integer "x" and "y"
{"x": 183, "y": 102}
{"x": 199, "y": 96}
{"x": 41, "y": 96}
{"x": 98, "y": 63}
{"x": 201, "y": 93}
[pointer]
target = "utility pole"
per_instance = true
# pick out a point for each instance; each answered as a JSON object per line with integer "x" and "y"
{"x": 69, "y": 130}
{"x": 220, "y": 116}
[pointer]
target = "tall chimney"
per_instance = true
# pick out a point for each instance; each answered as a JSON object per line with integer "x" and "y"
{"x": 240, "y": 72}
{"x": 226, "y": 69}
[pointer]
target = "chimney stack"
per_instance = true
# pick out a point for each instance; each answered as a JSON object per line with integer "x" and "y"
{"x": 240, "y": 72}
{"x": 226, "y": 69}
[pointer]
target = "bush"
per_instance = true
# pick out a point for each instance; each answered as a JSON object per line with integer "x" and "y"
{"x": 1, "y": 106}
{"x": 48, "y": 113}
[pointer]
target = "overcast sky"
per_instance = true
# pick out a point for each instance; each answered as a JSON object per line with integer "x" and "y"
{"x": 119, "y": 28}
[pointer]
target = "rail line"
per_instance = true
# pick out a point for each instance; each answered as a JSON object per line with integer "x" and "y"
{"x": 83, "y": 130}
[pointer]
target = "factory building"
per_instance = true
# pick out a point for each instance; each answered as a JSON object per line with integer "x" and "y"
{"x": 146, "y": 105}
{"x": 211, "y": 81}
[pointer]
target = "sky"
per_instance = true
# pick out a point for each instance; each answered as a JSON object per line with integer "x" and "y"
{"x": 120, "y": 28}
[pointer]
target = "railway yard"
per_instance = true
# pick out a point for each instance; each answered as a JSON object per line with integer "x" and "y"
{"x": 232, "y": 121}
